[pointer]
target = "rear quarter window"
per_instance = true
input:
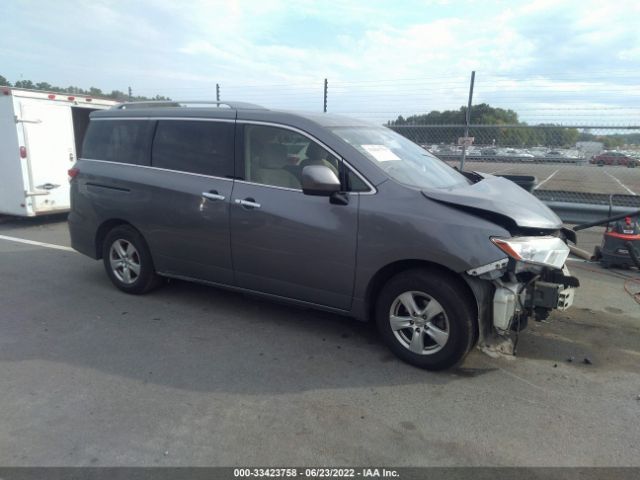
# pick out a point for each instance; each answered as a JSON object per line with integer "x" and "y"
{"x": 122, "y": 141}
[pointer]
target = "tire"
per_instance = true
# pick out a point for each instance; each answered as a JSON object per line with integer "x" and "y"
{"x": 128, "y": 262}
{"x": 600, "y": 163}
{"x": 597, "y": 253}
{"x": 453, "y": 313}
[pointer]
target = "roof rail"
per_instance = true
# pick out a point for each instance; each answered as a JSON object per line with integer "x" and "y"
{"x": 187, "y": 103}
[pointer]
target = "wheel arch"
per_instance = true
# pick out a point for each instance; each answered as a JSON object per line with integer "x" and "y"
{"x": 384, "y": 274}
{"x": 104, "y": 228}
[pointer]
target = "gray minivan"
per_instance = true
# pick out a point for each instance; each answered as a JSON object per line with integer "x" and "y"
{"x": 320, "y": 210}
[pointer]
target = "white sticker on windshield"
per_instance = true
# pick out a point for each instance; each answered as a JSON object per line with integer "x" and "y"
{"x": 381, "y": 153}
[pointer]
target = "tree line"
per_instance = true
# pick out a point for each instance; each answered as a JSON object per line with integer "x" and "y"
{"x": 504, "y": 129}
{"x": 116, "y": 95}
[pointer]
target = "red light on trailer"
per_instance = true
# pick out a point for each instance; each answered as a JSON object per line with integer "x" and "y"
{"x": 51, "y": 96}
{"x": 6, "y": 91}
{"x": 73, "y": 173}
{"x": 71, "y": 99}
{"x": 88, "y": 99}
{"x": 23, "y": 152}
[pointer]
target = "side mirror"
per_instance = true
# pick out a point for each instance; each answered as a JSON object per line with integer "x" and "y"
{"x": 319, "y": 180}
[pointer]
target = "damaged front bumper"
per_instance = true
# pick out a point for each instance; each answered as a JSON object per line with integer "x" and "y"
{"x": 515, "y": 302}
{"x": 510, "y": 293}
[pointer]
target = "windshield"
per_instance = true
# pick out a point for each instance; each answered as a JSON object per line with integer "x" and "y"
{"x": 400, "y": 158}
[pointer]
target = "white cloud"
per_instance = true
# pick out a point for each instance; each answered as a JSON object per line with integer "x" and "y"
{"x": 183, "y": 49}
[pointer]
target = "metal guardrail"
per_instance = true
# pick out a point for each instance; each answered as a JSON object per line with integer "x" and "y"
{"x": 587, "y": 198}
{"x": 583, "y": 212}
{"x": 579, "y": 207}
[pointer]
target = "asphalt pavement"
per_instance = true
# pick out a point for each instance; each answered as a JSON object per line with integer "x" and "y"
{"x": 193, "y": 375}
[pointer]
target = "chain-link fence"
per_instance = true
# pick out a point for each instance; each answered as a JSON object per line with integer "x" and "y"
{"x": 569, "y": 168}
{"x": 570, "y": 159}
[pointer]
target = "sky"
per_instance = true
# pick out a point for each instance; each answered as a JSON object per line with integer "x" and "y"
{"x": 570, "y": 62}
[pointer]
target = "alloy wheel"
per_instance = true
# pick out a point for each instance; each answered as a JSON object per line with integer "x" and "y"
{"x": 125, "y": 261}
{"x": 419, "y": 322}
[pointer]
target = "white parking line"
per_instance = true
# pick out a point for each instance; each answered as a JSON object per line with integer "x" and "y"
{"x": 546, "y": 180}
{"x": 621, "y": 184}
{"x": 38, "y": 244}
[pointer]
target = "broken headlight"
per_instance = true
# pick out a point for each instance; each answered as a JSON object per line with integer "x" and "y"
{"x": 544, "y": 251}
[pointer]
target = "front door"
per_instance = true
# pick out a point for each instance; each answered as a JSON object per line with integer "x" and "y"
{"x": 284, "y": 242}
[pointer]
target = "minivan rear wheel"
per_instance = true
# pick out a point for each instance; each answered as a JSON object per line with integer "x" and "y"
{"x": 426, "y": 319}
{"x": 128, "y": 262}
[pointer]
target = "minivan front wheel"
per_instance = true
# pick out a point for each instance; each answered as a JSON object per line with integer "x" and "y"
{"x": 128, "y": 262}
{"x": 426, "y": 319}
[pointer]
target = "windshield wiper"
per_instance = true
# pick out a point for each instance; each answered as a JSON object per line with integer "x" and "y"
{"x": 473, "y": 176}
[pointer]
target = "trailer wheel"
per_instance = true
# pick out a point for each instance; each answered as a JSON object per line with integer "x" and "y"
{"x": 128, "y": 262}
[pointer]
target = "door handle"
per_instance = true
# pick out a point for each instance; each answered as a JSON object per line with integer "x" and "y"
{"x": 248, "y": 203}
{"x": 213, "y": 195}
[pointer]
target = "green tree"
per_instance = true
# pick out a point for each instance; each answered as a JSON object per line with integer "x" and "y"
{"x": 4, "y": 82}
{"x": 25, "y": 84}
{"x": 499, "y": 126}
{"x": 117, "y": 95}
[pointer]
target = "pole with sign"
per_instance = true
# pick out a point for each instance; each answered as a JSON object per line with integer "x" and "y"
{"x": 468, "y": 120}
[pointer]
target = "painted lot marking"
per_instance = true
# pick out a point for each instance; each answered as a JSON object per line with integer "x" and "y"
{"x": 37, "y": 244}
{"x": 621, "y": 184}
{"x": 546, "y": 180}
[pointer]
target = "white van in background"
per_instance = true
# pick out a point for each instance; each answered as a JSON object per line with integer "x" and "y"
{"x": 40, "y": 137}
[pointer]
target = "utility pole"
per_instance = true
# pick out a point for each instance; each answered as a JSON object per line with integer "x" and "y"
{"x": 468, "y": 121}
{"x": 217, "y": 92}
{"x": 129, "y": 93}
{"x": 326, "y": 91}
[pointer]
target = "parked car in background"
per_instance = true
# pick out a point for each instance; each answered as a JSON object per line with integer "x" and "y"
{"x": 614, "y": 158}
{"x": 520, "y": 155}
{"x": 489, "y": 152}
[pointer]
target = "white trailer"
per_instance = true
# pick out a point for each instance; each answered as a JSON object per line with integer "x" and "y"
{"x": 41, "y": 135}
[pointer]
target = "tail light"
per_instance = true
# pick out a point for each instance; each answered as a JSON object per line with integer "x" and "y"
{"x": 23, "y": 152}
{"x": 51, "y": 96}
{"x": 73, "y": 173}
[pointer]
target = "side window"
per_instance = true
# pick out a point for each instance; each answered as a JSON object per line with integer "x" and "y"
{"x": 123, "y": 141}
{"x": 276, "y": 156}
{"x": 355, "y": 183}
{"x": 194, "y": 146}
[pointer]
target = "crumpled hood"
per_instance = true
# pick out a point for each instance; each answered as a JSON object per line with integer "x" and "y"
{"x": 499, "y": 196}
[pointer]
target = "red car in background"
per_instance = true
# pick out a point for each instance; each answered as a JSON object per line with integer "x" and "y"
{"x": 614, "y": 158}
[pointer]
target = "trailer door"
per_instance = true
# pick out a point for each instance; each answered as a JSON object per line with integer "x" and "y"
{"x": 50, "y": 153}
